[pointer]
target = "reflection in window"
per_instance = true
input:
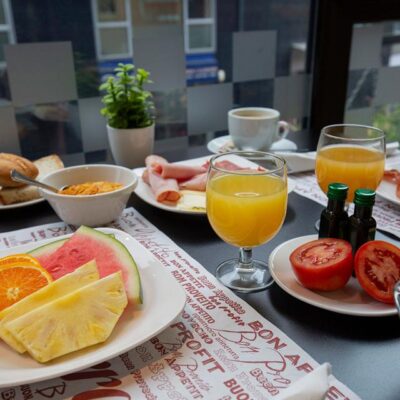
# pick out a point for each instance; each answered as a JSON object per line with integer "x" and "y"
{"x": 3, "y": 41}
{"x": 387, "y": 118}
{"x": 7, "y": 35}
{"x": 113, "y": 41}
{"x": 199, "y": 26}
{"x": 111, "y": 10}
{"x": 2, "y": 16}
{"x": 200, "y": 37}
{"x": 113, "y": 29}
{"x": 200, "y": 9}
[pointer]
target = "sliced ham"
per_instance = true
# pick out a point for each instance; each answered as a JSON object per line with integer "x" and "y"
{"x": 165, "y": 179}
{"x": 198, "y": 182}
{"x": 181, "y": 172}
{"x": 145, "y": 176}
{"x": 165, "y": 190}
{"x": 393, "y": 175}
{"x": 228, "y": 165}
{"x": 155, "y": 162}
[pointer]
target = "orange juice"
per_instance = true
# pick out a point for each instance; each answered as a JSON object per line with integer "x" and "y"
{"x": 358, "y": 167}
{"x": 246, "y": 210}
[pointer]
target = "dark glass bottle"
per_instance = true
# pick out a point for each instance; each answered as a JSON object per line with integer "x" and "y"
{"x": 334, "y": 221}
{"x": 362, "y": 224}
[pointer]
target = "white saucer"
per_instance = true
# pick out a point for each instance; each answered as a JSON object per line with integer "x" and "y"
{"x": 215, "y": 145}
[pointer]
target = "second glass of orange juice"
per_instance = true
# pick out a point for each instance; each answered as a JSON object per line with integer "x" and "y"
{"x": 246, "y": 207}
{"x": 350, "y": 154}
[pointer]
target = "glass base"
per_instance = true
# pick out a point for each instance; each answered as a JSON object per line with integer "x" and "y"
{"x": 244, "y": 280}
{"x": 316, "y": 225}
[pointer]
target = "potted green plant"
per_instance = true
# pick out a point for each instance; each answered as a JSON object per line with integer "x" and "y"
{"x": 129, "y": 110}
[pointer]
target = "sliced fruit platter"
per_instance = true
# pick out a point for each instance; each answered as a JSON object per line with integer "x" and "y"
{"x": 77, "y": 300}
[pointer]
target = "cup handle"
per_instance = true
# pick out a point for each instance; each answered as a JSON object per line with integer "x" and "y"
{"x": 283, "y": 129}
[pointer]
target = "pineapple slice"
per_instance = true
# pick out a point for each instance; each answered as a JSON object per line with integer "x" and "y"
{"x": 82, "y": 276}
{"x": 75, "y": 321}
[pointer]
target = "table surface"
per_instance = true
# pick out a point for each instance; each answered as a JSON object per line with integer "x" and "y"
{"x": 364, "y": 352}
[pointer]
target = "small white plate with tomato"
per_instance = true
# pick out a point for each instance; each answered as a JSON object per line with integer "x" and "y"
{"x": 350, "y": 299}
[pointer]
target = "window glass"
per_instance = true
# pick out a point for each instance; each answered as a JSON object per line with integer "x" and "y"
{"x": 372, "y": 98}
{"x": 199, "y": 8}
{"x": 113, "y": 41}
{"x": 201, "y": 45}
{"x": 200, "y": 36}
{"x": 3, "y": 41}
{"x": 111, "y": 10}
{"x": 2, "y": 15}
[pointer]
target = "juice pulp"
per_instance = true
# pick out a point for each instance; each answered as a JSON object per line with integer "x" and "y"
{"x": 357, "y": 167}
{"x": 246, "y": 210}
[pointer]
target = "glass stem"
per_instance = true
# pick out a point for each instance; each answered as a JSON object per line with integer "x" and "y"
{"x": 245, "y": 258}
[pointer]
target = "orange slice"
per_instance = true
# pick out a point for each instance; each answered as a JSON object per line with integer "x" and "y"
{"x": 19, "y": 280}
{"x": 19, "y": 259}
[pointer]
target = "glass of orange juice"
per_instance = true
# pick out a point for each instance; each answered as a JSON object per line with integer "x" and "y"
{"x": 350, "y": 154}
{"x": 246, "y": 200}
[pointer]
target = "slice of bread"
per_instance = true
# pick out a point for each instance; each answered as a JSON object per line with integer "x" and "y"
{"x": 45, "y": 165}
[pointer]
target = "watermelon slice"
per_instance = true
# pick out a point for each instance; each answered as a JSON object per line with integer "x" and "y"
{"x": 47, "y": 249}
{"x": 88, "y": 244}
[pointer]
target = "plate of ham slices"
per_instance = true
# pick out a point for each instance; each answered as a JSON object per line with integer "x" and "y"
{"x": 389, "y": 189}
{"x": 178, "y": 187}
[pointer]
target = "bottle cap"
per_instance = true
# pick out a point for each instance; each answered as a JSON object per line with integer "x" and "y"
{"x": 337, "y": 191}
{"x": 364, "y": 197}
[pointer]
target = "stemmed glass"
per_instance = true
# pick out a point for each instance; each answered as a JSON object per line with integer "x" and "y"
{"x": 350, "y": 154}
{"x": 246, "y": 207}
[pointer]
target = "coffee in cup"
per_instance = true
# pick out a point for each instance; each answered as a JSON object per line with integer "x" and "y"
{"x": 255, "y": 128}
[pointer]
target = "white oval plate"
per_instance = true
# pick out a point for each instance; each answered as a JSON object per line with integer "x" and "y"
{"x": 163, "y": 300}
{"x": 20, "y": 205}
{"x": 350, "y": 300}
{"x": 214, "y": 146}
{"x": 143, "y": 190}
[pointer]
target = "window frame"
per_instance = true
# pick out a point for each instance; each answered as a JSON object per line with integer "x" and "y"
{"x": 99, "y": 25}
{"x": 329, "y": 60}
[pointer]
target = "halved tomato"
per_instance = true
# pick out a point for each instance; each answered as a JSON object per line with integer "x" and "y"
{"x": 323, "y": 264}
{"x": 377, "y": 267}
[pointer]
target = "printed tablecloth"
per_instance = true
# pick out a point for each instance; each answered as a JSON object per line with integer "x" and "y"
{"x": 218, "y": 349}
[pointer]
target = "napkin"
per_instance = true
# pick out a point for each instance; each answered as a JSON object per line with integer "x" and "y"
{"x": 313, "y": 386}
{"x": 298, "y": 162}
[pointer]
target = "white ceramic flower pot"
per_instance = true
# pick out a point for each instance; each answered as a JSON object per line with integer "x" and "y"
{"x": 130, "y": 147}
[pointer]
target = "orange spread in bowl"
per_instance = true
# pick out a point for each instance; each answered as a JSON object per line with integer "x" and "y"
{"x": 89, "y": 188}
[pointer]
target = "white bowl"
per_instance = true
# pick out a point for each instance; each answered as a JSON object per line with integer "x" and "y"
{"x": 90, "y": 210}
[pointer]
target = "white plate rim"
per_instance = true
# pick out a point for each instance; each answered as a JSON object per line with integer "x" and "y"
{"x": 323, "y": 305}
{"x": 91, "y": 359}
{"x": 387, "y": 190}
{"x": 22, "y": 204}
{"x": 143, "y": 191}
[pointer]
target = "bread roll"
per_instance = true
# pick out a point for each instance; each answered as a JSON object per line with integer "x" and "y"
{"x": 8, "y": 162}
{"x": 19, "y": 195}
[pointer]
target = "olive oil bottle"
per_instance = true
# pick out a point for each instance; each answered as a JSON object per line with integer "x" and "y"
{"x": 334, "y": 221}
{"x": 362, "y": 224}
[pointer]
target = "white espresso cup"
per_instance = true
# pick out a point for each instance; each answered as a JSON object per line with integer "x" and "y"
{"x": 256, "y": 128}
